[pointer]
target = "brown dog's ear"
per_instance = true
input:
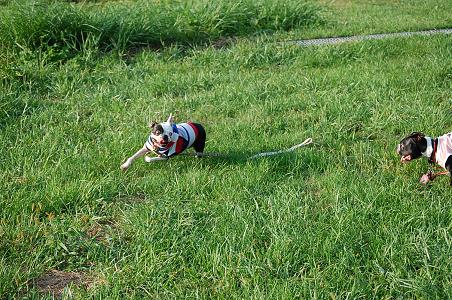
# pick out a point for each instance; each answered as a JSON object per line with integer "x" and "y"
{"x": 152, "y": 125}
{"x": 417, "y": 136}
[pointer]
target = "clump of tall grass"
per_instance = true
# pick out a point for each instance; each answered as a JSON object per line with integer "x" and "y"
{"x": 70, "y": 28}
{"x": 43, "y": 25}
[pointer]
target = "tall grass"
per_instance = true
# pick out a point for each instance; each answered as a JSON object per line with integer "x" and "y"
{"x": 37, "y": 33}
{"x": 119, "y": 26}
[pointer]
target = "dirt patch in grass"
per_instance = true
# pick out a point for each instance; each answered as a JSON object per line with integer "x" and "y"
{"x": 224, "y": 42}
{"x": 101, "y": 231}
{"x": 54, "y": 282}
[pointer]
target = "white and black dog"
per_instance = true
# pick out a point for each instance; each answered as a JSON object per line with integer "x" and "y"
{"x": 436, "y": 150}
{"x": 168, "y": 139}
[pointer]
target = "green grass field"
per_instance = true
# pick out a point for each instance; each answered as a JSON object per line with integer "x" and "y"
{"x": 339, "y": 219}
{"x": 347, "y": 17}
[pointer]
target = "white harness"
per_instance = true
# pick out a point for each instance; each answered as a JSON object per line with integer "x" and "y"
{"x": 443, "y": 149}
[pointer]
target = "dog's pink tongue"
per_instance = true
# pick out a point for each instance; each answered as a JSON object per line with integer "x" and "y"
{"x": 405, "y": 159}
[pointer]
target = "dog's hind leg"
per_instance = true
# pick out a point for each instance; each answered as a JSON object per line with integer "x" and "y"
{"x": 448, "y": 166}
{"x": 200, "y": 141}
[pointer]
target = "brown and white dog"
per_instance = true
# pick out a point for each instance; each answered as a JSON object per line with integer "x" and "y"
{"x": 436, "y": 150}
{"x": 168, "y": 139}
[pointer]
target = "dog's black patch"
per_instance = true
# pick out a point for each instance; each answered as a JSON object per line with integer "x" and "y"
{"x": 165, "y": 139}
{"x": 448, "y": 166}
{"x": 157, "y": 129}
{"x": 413, "y": 145}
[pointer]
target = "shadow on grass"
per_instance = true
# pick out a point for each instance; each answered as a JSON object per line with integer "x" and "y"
{"x": 304, "y": 162}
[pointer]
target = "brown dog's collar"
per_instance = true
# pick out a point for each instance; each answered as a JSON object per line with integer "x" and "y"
{"x": 432, "y": 158}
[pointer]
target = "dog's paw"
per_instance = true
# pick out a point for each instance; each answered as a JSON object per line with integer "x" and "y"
{"x": 125, "y": 166}
{"x": 147, "y": 159}
{"x": 425, "y": 179}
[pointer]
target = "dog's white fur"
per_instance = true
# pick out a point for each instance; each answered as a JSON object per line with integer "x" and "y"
{"x": 144, "y": 150}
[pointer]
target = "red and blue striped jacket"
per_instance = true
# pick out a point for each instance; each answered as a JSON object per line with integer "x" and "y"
{"x": 183, "y": 137}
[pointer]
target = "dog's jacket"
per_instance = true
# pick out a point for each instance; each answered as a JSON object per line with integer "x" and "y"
{"x": 444, "y": 149}
{"x": 183, "y": 137}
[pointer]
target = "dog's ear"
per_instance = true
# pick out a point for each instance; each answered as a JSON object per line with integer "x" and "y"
{"x": 170, "y": 119}
{"x": 151, "y": 125}
{"x": 417, "y": 136}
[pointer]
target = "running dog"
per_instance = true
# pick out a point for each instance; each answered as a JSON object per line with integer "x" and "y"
{"x": 168, "y": 139}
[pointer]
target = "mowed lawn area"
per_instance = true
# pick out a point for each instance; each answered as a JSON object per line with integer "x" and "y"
{"x": 339, "y": 219}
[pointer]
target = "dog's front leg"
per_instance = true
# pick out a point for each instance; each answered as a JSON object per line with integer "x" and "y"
{"x": 130, "y": 160}
{"x": 151, "y": 159}
{"x": 448, "y": 166}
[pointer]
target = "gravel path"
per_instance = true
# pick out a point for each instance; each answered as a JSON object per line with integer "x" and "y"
{"x": 338, "y": 40}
